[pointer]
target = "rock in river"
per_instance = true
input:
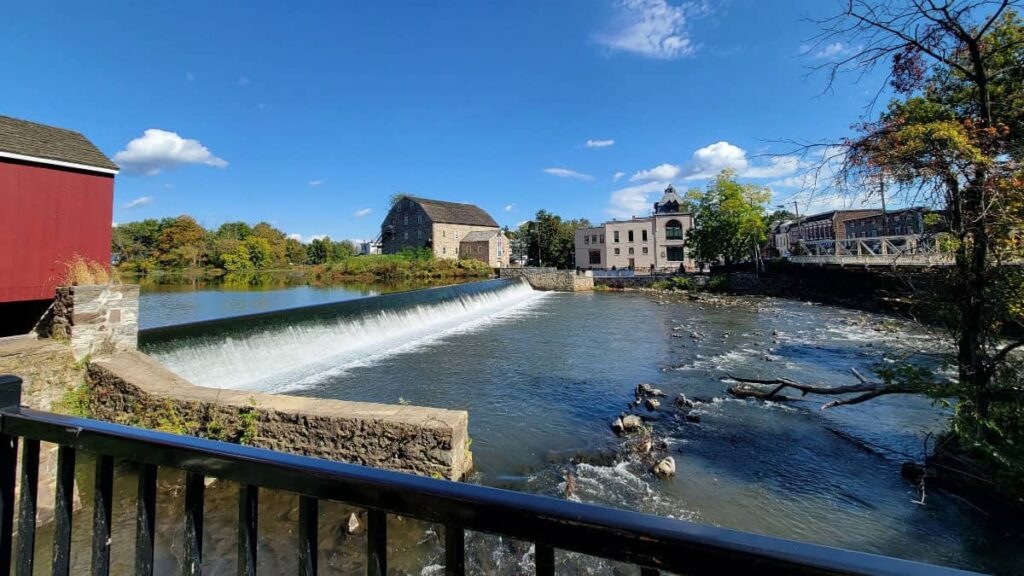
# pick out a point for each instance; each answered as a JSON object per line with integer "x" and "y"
{"x": 665, "y": 468}
{"x": 628, "y": 423}
{"x": 652, "y": 403}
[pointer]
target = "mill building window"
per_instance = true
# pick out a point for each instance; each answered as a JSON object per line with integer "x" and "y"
{"x": 643, "y": 236}
{"x": 616, "y": 251}
{"x": 615, "y": 236}
{"x": 595, "y": 256}
{"x": 675, "y": 254}
{"x": 629, "y": 235}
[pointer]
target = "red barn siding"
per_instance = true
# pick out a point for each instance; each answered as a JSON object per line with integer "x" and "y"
{"x": 47, "y": 215}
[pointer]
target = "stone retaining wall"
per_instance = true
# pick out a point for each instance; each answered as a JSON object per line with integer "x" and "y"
{"x": 99, "y": 320}
{"x": 132, "y": 388}
{"x": 552, "y": 278}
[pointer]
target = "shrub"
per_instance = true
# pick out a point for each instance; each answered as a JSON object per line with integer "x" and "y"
{"x": 80, "y": 271}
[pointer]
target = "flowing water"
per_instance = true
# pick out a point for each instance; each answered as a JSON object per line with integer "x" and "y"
{"x": 542, "y": 375}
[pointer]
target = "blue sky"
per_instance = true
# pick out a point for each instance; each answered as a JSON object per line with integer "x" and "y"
{"x": 312, "y": 117}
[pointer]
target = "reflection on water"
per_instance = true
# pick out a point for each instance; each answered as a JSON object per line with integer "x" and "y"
{"x": 542, "y": 383}
{"x": 178, "y": 298}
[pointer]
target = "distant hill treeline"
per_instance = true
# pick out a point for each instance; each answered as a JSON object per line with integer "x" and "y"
{"x": 177, "y": 243}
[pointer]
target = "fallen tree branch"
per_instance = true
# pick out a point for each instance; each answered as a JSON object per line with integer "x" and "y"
{"x": 867, "y": 389}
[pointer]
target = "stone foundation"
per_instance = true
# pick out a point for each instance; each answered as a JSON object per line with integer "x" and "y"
{"x": 132, "y": 388}
{"x": 552, "y": 278}
{"x": 98, "y": 320}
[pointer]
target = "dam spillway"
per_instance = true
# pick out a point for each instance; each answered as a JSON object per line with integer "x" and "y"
{"x": 290, "y": 349}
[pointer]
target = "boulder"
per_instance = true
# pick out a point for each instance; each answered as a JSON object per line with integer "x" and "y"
{"x": 652, "y": 403}
{"x": 627, "y": 424}
{"x": 683, "y": 402}
{"x": 645, "y": 389}
{"x": 692, "y": 418}
{"x": 665, "y": 468}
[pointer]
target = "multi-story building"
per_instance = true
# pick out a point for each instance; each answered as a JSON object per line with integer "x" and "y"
{"x": 825, "y": 226}
{"x": 449, "y": 229}
{"x": 655, "y": 242}
{"x": 896, "y": 223}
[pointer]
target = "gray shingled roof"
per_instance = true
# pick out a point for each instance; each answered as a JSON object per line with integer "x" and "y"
{"x": 455, "y": 213}
{"x": 51, "y": 143}
{"x": 479, "y": 235}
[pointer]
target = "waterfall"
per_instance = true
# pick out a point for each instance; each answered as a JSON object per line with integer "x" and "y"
{"x": 283, "y": 355}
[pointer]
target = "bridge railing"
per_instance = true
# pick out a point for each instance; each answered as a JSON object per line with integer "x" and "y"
{"x": 651, "y": 542}
{"x": 906, "y": 250}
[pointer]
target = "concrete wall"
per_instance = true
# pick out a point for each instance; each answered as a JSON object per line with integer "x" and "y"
{"x": 98, "y": 320}
{"x": 638, "y": 282}
{"x": 132, "y": 388}
{"x": 552, "y": 279}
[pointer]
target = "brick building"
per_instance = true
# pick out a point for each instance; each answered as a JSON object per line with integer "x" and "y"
{"x": 448, "y": 229}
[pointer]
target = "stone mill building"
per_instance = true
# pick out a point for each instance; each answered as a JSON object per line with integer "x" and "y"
{"x": 449, "y": 229}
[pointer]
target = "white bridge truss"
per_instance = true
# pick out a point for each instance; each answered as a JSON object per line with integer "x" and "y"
{"x": 910, "y": 250}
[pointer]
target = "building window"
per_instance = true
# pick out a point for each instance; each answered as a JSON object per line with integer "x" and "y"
{"x": 406, "y": 220}
{"x": 595, "y": 256}
{"x": 630, "y": 250}
{"x": 675, "y": 254}
{"x": 616, "y": 251}
{"x": 615, "y": 236}
{"x": 673, "y": 230}
{"x": 405, "y": 235}
{"x": 629, "y": 235}
{"x": 645, "y": 250}
{"x": 643, "y": 238}
{"x": 419, "y": 218}
{"x": 419, "y": 234}
{"x": 586, "y": 238}
{"x": 602, "y": 238}
{"x": 444, "y": 250}
{"x": 444, "y": 233}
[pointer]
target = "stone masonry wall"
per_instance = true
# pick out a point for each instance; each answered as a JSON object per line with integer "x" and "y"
{"x": 99, "y": 320}
{"x": 132, "y": 388}
{"x": 552, "y": 279}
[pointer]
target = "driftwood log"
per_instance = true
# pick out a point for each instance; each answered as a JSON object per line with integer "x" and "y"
{"x": 771, "y": 389}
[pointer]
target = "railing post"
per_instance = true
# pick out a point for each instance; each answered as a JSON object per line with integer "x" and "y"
{"x": 10, "y": 399}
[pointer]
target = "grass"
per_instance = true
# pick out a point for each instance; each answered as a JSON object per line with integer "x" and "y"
{"x": 80, "y": 271}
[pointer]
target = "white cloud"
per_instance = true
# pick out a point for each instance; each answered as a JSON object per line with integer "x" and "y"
{"x": 567, "y": 173}
{"x": 315, "y": 183}
{"x": 600, "y": 143}
{"x": 634, "y": 200}
{"x": 617, "y": 176}
{"x": 710, "y": 160}
{"x": 654, "y": 28}
{"x": 158, "y": 149}
{"x": 140, "y": 201}
{"x": 777, "y": 166}
{"x": 295, "y": 237}
{"x": 316, "y": 237}
{"x": 363, "y": 212}
{"x": 660, "y": 172}
{"x": 509, "y": 207}
{"x": 833, "y": 50}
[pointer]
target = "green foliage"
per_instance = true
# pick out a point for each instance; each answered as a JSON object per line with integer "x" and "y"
{"x": 76, "y": 401}
{"x": 248, "y": 425}
{"x": 548, "y": 240}
{"x": 674, "y": 283}
{"x": 718, "y": 283}
{"x": 729, "y": 220}
{"x": 409, "y": 264}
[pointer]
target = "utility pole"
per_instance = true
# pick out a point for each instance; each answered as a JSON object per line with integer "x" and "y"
{"x": 885, "y": 215}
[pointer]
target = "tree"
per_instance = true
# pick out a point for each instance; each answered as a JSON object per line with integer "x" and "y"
{"x": 954, "y": 133}
{"x": 550, "y": 241}
{"x": 319, "y": 251}
{"x": 182, "y": 243}
{"x": 729, "y": 220}
{"x": 295, "y": 251}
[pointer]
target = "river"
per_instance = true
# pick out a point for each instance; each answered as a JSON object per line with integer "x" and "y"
{"x": 543, "y": 375}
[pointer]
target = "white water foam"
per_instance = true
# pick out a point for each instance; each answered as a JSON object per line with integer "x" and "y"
{"x": 297, "y": 356}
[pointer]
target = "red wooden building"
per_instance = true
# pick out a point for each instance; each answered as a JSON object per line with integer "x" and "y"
{"x": 56, "y": 201}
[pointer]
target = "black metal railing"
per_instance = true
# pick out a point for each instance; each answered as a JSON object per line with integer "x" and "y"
{"x": 651, "y": 542}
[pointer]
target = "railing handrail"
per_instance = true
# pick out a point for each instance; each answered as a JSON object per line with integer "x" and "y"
{"x": 623, "y": 535}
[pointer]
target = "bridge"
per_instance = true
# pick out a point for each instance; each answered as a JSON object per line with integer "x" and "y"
{"x": 917, "y": 250}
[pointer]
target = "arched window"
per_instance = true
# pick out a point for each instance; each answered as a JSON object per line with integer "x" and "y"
{"x": 673, "y": 230}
